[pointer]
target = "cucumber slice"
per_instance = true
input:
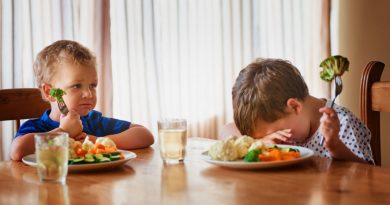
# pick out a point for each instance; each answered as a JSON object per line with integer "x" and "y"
{"x": 115, "y": 153}
{"x": 115, "y": 157}
{"x": 78, "y": 160}
{"x": 89, "y": 160}
{"x": 103, "y": 159}
{"x": 89, "y": 156}
{"x": 98, "y": 156}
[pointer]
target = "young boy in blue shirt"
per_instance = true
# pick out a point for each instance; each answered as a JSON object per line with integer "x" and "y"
{"x": 72, "y": 67}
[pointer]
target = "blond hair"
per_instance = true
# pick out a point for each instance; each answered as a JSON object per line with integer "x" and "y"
{"x": 62, "y": 51}
{"x": 261, "y": 92}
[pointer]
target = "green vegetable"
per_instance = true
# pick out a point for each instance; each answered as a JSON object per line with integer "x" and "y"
{"x": 115, "y": 157}
{"x": 57, "y": 93}
{"x": 96, "y": 158}
{"x": 289, "y": 149}
{"x": 332, "y": 66}
{"x": 89, "y": 160}
{"x": 115, "y": 153}
{"x": 252, "y": 156}
{"x": 76, "y": 161}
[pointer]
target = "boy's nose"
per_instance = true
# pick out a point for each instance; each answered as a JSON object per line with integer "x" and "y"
{"x": 87, "y": 93}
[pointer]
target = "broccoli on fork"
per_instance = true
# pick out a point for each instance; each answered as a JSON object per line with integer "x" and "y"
{"x": 333, "y": 66}
{"x": 57, "y": 93}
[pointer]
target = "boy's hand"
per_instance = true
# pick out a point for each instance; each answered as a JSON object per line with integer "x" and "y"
{"x": 330, "y": 128}
{"x": 83, "y": 135}
{"x": 278, "y": 137}
{"x": 71, "y": 123}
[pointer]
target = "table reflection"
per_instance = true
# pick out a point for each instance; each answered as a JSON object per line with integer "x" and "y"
{"x": 53, "y": 194}
{"x": 174, "y": 184}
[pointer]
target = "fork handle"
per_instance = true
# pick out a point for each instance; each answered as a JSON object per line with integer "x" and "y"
{"x": 331, "y": 105}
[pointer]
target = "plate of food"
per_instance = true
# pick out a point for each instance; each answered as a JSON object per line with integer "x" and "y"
{"x": 246, "y": 153}
{"x": 102, "y": 154}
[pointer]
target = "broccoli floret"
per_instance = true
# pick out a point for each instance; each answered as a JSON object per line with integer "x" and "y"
{"x": 57, "y": 93}
{"x": 332, "y": 66}
{"x": 252, "y": 156}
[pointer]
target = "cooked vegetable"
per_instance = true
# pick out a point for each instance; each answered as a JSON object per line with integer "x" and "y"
{"x": 57, "y": 93}
{"x": 252, "y": 156}
{"x": 96, "y": 158}
{"x": 278, "y": 154}
{"x": 107, "y": 142}
{"x": 93, "y": 153}
{"x": 332, "y": 66}
{"x": 227, "y": 150}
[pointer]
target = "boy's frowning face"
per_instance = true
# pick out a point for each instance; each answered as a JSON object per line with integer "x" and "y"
{"x": 79, "y": 82}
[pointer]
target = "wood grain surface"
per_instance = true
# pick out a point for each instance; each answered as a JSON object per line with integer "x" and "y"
{"x": 146, "y": 180}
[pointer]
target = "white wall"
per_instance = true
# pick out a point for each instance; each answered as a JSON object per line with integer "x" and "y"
{"x": 364, "y": 35}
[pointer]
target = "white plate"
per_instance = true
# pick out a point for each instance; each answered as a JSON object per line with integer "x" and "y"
{"x": 241, "y": 164}
{"x": 30, "y": 160}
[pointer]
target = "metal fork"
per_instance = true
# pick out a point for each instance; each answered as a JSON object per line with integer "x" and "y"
{"x": 63, "y": 108}
{"x": 338, "y": 88}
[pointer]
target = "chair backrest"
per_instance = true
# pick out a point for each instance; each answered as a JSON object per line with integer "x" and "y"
{"x": 374, "y": 98}
{"x": 21, "y": 103}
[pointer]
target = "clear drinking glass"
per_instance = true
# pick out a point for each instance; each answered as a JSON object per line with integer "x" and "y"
{"x": 172, "y": 139}
{"x": 51, "y": 151}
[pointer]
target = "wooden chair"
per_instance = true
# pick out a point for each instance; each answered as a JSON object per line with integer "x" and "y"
{"x": 21, "y": 103}
{"x": 374, "y": 98}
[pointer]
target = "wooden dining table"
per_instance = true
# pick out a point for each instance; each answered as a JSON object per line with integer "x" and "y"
{"x": 147, "y": 180}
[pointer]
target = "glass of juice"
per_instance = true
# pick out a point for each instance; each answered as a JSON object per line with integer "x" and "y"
{"x": 51, "y": 151}
{"x": 172, "y": 139}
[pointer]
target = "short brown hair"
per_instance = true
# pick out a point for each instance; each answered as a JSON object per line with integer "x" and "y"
{"x": 60, "y": 51}
{"x": 261, "y": 92}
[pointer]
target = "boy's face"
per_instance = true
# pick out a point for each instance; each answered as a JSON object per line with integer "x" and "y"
{"x": 79, "y": 82}
{"x": 299, "y": 125}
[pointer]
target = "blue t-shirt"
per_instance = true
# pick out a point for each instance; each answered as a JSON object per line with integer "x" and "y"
{"x": 93, "y": 123}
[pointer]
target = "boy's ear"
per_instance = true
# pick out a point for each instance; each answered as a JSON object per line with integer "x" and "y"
{"x": 45, "y": 89}
{"x": 294, "y": 105}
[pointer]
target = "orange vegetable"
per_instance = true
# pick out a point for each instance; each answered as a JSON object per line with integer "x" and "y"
{"x": 271, "y": 155}
{"x": 100, "y": 151}
{"x": 290, "y": 155}
{"x": 98, "y": 146}
{"x": 275, "y": 154}
{"x": 81, "y": 152}
{"x": 110, "y": 149}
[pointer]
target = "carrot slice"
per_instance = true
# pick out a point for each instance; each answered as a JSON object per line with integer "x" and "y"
{"x": 99, "y": 146}
{"x": 81, "y": 152}
{"x": 100, "y": 151}
{"x": 110, "y": 149}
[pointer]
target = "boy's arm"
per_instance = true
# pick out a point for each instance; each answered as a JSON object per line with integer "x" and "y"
{"x": 24, "y": 145}
{"x": 330, "y": 127}
{"x": 135, "y": 137}
{"x": 339, "y": 151}
{"x": 228, "y": 130}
